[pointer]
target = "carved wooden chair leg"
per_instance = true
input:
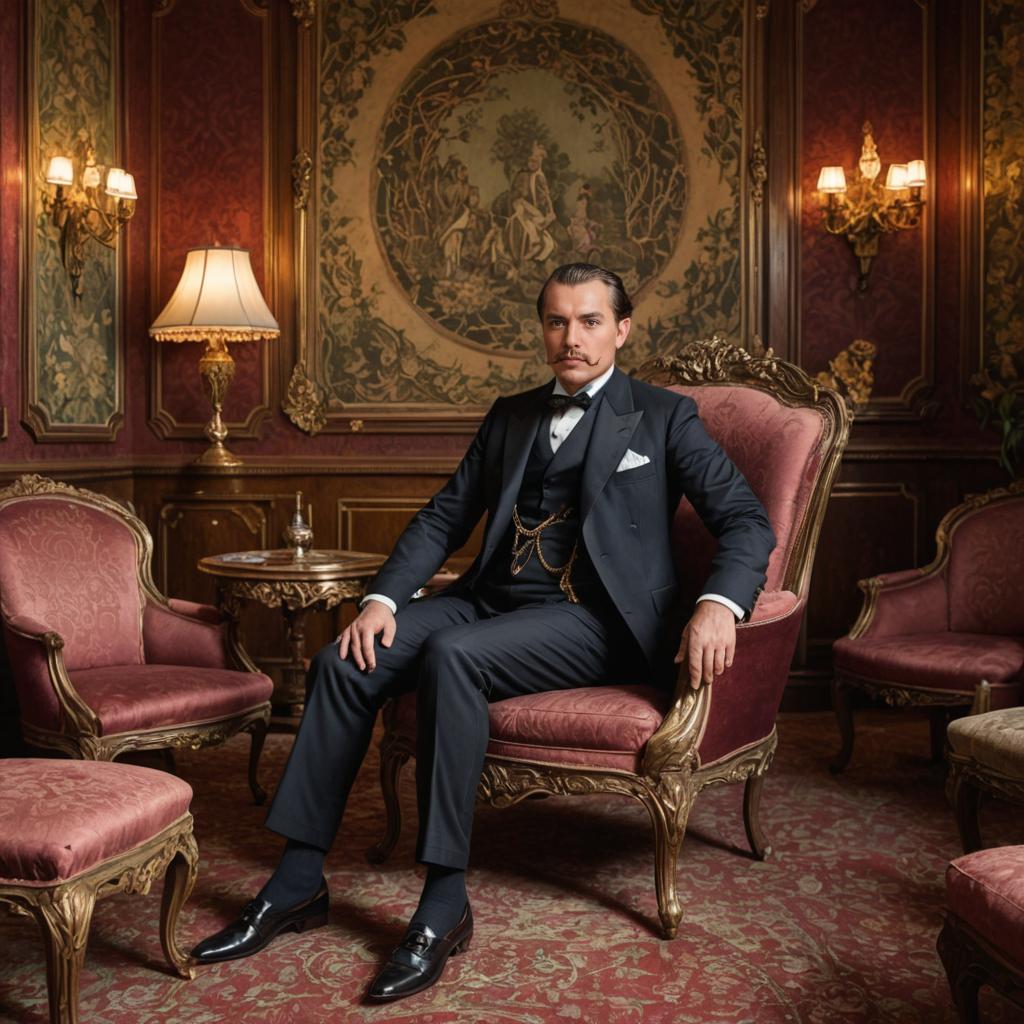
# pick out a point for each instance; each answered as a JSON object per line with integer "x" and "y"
{"x": 844, "y": 718}
{"x": 966, "y": 805}
{"x": 964, "y": 984}
{"x": 938, "y": 722}
{"x": 170, "y": 765}
{"x": 258, "y": 729}
{"x": 751, "y": 816}
{"x": 392, "y": 759}
{"x": 669, "y": 807}
{"x": 178, "y": 882}
{"x": 64, "y": 921}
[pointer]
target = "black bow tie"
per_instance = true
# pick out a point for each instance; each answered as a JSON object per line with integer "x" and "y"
{"x": 582, "y": 399}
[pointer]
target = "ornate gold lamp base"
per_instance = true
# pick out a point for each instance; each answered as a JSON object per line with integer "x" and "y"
{"x": 217, "y": 369}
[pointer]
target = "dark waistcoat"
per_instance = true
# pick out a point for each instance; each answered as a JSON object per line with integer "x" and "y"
{"x": 551, "y": 482}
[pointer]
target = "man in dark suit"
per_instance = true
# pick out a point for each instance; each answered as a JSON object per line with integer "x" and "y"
{"x": 574, "y": 586}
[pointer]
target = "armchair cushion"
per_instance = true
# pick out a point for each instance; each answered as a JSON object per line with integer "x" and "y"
{"x": 994, "y": 740}
{"x": 73, "y": 568}
{"x": 986, "y": 890}
{"x": 60, "y": 818}
{"x": 986, "y": 571}
{"x": 935, "y": 661}
{"x": 136, "y": 697}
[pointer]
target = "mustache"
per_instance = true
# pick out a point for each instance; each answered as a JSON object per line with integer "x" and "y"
{"x": 572, "y": 353}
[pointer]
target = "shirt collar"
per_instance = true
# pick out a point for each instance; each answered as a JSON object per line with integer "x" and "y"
{"x": 589, "y": 389}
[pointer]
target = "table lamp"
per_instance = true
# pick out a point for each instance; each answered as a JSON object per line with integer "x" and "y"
{"x": 217, "y": 301}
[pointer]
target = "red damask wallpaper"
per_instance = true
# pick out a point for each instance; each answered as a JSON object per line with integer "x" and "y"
{"x": 852, "y": 73}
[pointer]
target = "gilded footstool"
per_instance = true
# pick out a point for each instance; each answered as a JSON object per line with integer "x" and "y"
{"x": 986, "y": 755}
{"x": 74, "y": 831}
{"x": 982, "y": 940}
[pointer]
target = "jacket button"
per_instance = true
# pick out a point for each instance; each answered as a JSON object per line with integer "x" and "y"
{"x": 632, "y": 526}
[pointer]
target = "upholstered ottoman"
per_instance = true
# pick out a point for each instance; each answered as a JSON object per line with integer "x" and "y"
{"x": 982, "y": 940}
{"x": 986, "y": 755}
{"x": 73, "y": 831}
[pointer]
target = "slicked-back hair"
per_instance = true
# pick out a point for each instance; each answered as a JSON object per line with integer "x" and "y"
{"x": 580, "y": 273}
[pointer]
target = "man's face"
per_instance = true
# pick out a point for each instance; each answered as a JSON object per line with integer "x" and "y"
{"x": 580, "y": 332}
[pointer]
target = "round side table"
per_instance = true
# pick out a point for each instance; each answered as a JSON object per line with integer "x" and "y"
{"x": 317, "y": 580}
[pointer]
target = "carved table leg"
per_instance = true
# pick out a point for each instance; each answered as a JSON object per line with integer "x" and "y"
{"x": 178, "y": 883}
{"x": 258, "y": 729}
{"x": 64, "y": 921}
{"x": 293, "y": 675}
{"x": 844, "y": 718}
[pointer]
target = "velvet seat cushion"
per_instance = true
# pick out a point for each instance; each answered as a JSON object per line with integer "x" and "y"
{"x": 60, "y": 818}
{"x": 134, "y": 697}
{"x": 934, "y": 661}
{"x": 994, "y": 740}
{"x": 596, "y": 726}
{"x": 986, "y": 890}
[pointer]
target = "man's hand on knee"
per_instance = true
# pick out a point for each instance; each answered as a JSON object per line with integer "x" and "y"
{"x": 708, "y": 642}
{"x": 357, "y": 638}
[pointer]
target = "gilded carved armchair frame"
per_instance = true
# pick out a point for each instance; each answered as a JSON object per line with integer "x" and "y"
{"x": 79, "y": 734}
{"x": 63, "y": 910}
{"x": 885, "y": 598}
{"x": 671, "y": 774}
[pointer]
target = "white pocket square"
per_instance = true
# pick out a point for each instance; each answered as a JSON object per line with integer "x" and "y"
{"x": 631, "y": 460}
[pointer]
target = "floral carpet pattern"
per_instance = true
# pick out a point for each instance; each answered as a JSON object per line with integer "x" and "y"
{"x": 837, "y": 927}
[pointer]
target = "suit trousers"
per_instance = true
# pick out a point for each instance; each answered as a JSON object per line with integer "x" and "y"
{"x": 458, "y": 654}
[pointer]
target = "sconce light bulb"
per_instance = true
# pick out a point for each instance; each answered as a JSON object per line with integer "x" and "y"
{"x": 60, "y": 171}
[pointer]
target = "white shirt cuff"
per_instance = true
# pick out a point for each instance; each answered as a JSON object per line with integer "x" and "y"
{"x": 731, "y": 605}
{"x": 386, "y": 601}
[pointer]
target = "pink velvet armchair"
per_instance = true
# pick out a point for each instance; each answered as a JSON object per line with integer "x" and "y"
{"x": 101, "y": 662}
{"x": 786, "y": 434}
{"x": 932, "y": 637}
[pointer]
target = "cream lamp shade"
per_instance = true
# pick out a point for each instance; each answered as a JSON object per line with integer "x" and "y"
{"x": 217, "y": 296}
{"x": 217, "y": 301}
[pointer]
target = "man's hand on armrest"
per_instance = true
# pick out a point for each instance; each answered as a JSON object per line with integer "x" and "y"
{"x": 708, "y": 643}
{"x": 357, "y": 638}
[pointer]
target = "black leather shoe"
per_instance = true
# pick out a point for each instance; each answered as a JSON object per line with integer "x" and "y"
{"x": 418, "y": 962}
{"x": 257, "y": 925}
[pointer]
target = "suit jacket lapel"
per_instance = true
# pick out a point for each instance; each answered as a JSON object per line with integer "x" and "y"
{"x": 613, "y": 430}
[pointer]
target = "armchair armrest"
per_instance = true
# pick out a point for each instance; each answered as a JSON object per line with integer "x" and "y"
{"x": 183, "y": 633}
{"x": 900, "y": 603}
{"x": 740, "y": 706}
{"x": 47, "y": 699}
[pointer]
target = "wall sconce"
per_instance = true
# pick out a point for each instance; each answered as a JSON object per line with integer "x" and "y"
{"x": 85, "y": 212}
{"x": 864, "y": 212}
{"x": 217, "y": 301}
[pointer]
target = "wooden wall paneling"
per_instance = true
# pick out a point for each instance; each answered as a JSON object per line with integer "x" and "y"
{"x": 870, "y": 527}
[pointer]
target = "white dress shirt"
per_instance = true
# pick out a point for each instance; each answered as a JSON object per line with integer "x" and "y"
{"x": 559, "y": 427}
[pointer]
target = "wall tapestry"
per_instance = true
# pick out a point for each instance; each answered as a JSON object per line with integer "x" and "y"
{"x": 463, "y": 150}
{"x": 73, "y": 375}
{"x": 1003, "y": 153}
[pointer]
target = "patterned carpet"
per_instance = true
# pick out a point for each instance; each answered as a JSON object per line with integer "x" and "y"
{"x": 838, "y": 926}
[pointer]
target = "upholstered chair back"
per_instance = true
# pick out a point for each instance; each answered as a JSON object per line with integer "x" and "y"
{"x": 72, "y": 568}
{"x": 778, "y": 449}
{"x": 985, "y": 573}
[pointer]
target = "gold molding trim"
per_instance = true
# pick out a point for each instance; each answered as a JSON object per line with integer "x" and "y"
{"x": 304, "y": 11}
{"x": 758, "y": 168}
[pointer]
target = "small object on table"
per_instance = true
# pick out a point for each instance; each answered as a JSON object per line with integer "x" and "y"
{"x": 298, "y": 533}
{"x": 282, "y": 578}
